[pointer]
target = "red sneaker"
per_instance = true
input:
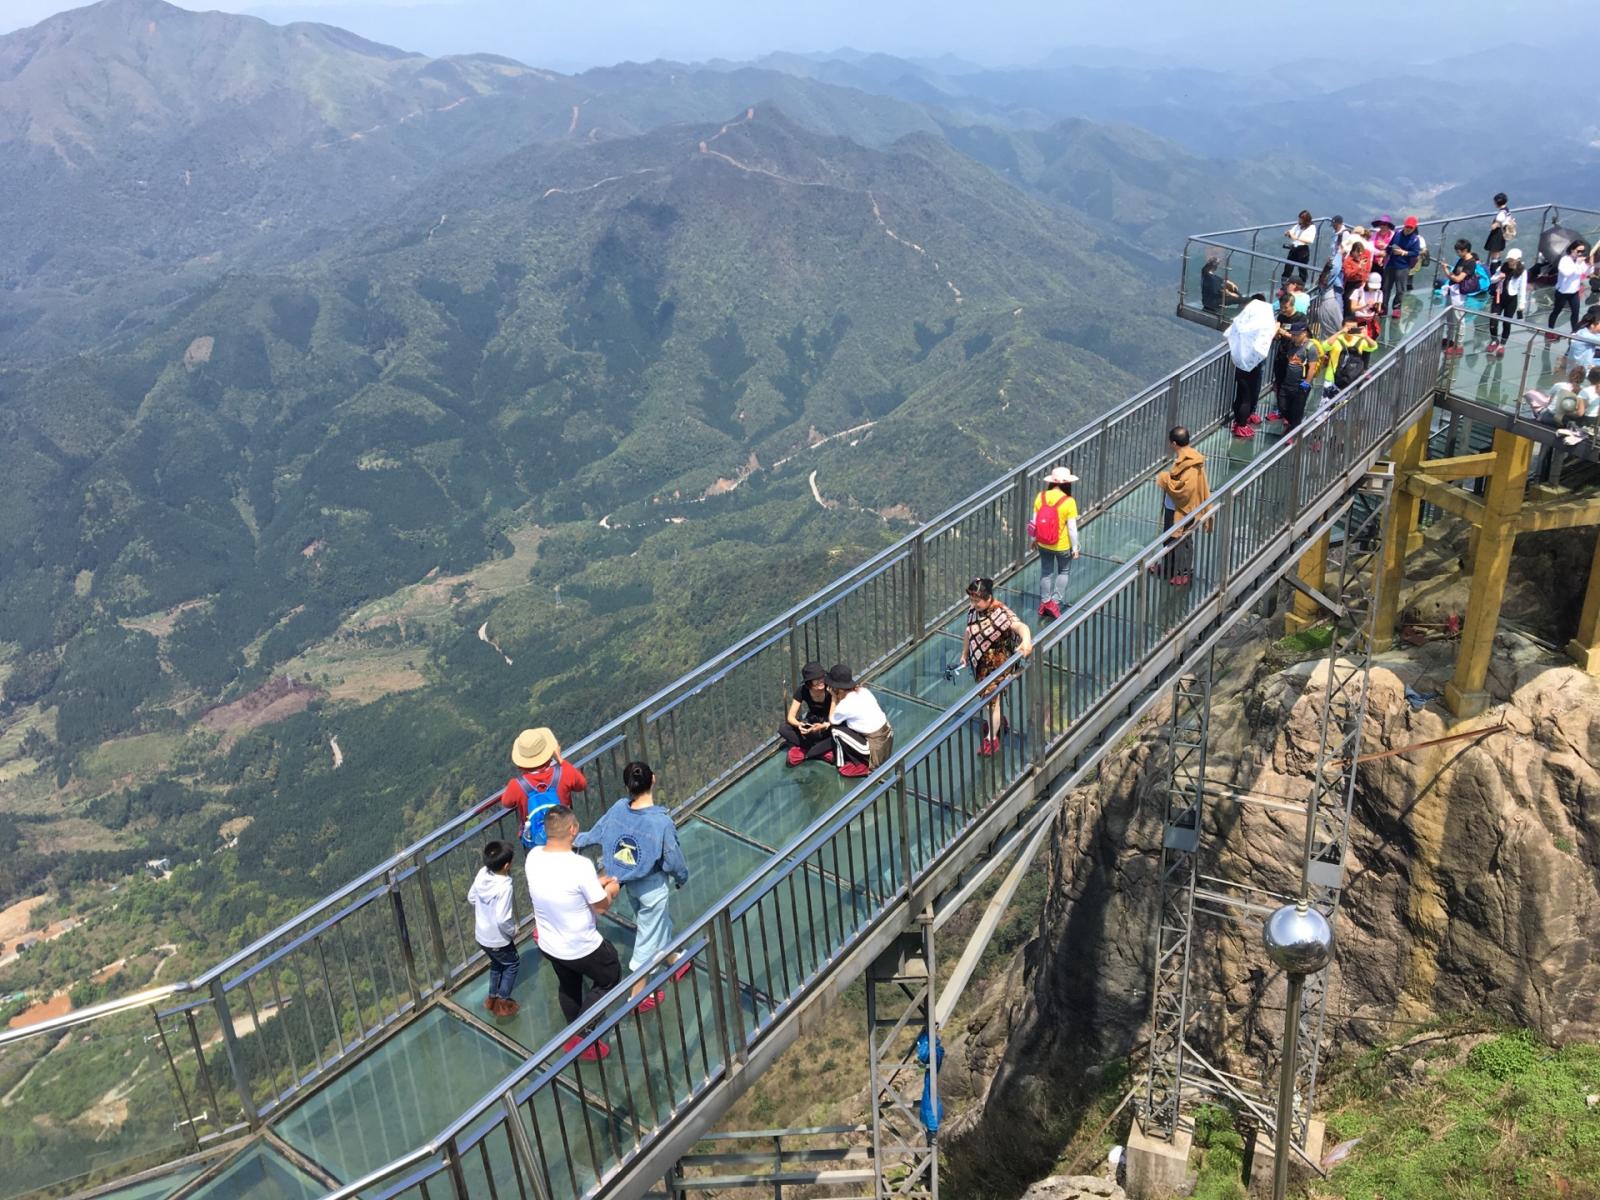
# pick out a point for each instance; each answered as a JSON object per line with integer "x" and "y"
{"x": 796, "y": 756}
{"x": 1255, "y": 418}
{"x": 594, "y": 1053}
{"x": 987, "y": 747}
{"x": 854, "y": 770}
{"x": 684, "y": 968}
{"x": 1052, "y": 609}
{"x": 1241, "y": 431}
{"x": 828, "y": 757}
{"x": 651, "y": 1001}
{"x": 1180, "y": 581}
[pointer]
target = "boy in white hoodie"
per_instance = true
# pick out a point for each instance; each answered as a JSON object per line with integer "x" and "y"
{"x": 496, "y": 927}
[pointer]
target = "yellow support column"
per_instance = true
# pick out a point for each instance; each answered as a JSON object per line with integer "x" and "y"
{"x": 1409, "y": 449}
{"x": 1585, "y": 648}
{"x": 1313, "y": 570}
{"x": 1508, "y": 482}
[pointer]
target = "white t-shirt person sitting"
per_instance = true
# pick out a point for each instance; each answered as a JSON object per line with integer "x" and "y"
{"x": 568, "y": 894}
{"x": 861, "y": 730}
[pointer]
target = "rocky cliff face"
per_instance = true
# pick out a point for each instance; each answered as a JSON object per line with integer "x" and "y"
{"x": 1472, "y": 883}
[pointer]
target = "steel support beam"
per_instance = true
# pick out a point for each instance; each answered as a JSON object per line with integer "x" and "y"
{"x": 901, "y": 1005}
{"x": 1408, "y": 452}
{"x": 1308, "y": 581}
{"x": 1348, "y": 666}
{"x": 1585, "y": 648}
{"x": 1187, "y": 737}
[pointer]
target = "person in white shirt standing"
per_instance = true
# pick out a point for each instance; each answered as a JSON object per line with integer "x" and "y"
{"x": 861, "y": 729}
{"x": 1572, "y": 271}
{"x": 495, "y": 926}
{"x": 1298, "y": 241}
{"x": 568, "y": 894}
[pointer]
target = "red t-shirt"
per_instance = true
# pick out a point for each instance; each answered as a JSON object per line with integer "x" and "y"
{"x": 515, "y": 796}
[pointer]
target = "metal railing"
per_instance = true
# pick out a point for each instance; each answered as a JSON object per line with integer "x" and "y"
{"x": 560, "y": 1125}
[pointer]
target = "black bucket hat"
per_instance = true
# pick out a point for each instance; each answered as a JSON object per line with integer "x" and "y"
{"x": 839, "y": 676}
{"x": 812, "y": 672}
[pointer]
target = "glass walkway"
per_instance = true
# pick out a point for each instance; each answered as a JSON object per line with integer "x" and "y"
{"x": 348, "y": 1052}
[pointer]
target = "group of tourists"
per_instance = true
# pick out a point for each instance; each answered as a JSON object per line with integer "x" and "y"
{"x": 1319, "y": 341}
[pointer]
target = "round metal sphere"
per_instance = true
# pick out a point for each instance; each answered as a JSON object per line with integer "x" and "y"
{"x": 1299, "y": 940}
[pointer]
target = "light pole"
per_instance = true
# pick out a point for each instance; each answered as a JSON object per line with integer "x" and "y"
{"x": 1300, "y": 941}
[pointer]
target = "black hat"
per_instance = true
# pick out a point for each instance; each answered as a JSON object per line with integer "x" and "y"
{"x": 812, "y": 672}
{"x": 839, "y": 676}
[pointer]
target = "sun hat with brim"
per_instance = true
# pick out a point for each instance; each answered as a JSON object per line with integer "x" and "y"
{"x": 1061, "y": 475}
{"x": 812, "y": 672}
{"x": 839, "y": 676}
{"x": 533, "y": 748}
{"x": 1386, "y": 219}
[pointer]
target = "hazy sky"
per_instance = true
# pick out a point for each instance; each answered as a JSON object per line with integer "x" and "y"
{"x": 996, "y": 32}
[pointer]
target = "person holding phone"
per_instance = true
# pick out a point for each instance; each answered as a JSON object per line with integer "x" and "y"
{"x": 806, "y": 732}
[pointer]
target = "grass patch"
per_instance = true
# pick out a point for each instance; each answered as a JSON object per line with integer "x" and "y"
{"x": 1507, "y": 1119}
{"x": 1307, "y": 641}
{"x": 130, "y": 755}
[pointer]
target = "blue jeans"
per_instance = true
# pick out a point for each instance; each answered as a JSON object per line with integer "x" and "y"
{"x": 1053, "y": 574}
{"x": 652, "y": 921}
{"x": 504, "y": 962}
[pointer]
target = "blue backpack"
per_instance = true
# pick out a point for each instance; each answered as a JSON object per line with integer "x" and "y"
{"x": 1480, "y": 281}
{"x": 540, "y": 802}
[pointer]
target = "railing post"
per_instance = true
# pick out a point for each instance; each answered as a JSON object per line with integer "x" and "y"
{"x": 430, "y": 912}
{"x": 794, "y": 654}
{"x": 1183, "y": 274}
{"x": 407, "y": 956}
{"x": 1174, "y": 397}
{"x": 522, "y": 1148}
{"x": 637, "y": 733}
{"x": 203, "y": 1069}
{"x": 919, "y": 586}
{"x": 1102, "y": 483}
{"x": 1225, "y": 544}
{"x": 1035, "y": 688}
{"x": 903, "y": 819}
{"x": 458, "y": 1178}
{"x": 230, "y": 1043}
{"x": 722, "y": 927}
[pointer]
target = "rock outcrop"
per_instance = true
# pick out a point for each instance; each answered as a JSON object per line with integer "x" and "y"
{"x": 1472, "y": 884}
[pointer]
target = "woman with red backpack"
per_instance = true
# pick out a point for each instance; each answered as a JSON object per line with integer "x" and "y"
{"x": 1054, "y": 530}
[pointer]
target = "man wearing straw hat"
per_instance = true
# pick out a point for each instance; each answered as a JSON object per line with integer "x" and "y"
{"x": 545, "y": 780}
{"x": 1055, "y": 532}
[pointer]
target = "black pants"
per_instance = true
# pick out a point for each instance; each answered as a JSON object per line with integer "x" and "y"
{"x": 1292, "y": 405}
{"x": 815, "y": 745}
{"x": 600, "y": 967}
{"x": 1300, "y": 254}
{"x": 1506, "y": 306}
{"x": 1180, "y": 554}
{"x": 1565, "y": 300}
{"x": 1395, "y": 276}
{"x": 1246, "y": 391}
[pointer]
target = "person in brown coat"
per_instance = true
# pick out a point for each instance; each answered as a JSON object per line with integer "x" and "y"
{"x": 1184, "y": 489}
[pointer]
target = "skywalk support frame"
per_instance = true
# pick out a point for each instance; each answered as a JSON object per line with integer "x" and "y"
{"x": 1353, "y": 611}
{"x": 901, "y": 1006}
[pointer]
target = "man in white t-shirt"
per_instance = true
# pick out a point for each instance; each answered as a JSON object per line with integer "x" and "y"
{"x": 568, "y": 894}
{"x": 861, "y": 730}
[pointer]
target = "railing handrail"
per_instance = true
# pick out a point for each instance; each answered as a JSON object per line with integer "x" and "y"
{"x": 1421, "y": 220}
{"x": 550, "y": 1059}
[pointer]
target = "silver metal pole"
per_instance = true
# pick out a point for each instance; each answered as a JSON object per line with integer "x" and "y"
{"x": 1283, "y": 1143}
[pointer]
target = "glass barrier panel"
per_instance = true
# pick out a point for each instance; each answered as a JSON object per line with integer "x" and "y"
{"x": 89, "y": 1103}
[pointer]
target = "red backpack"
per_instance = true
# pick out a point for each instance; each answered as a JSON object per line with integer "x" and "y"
{"x": 1046, "y": 522}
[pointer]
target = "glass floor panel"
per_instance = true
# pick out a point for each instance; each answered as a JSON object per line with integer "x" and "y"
{"x": 261, "y": 1173}
{"x": 156, "y": 1189}
{"x": 568, "y": 1136}
{"x": 401, "y": 1094}
{"x": 718, "y": 862}
{"x": 539, "y": 1012}
{"x": 774, "y": 802}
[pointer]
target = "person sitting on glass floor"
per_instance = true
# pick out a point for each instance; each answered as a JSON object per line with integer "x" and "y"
{"x": 862, "y": 734}
{"x": 805, "y": 732}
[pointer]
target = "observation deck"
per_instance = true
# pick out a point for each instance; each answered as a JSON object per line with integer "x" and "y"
{"x": 347, "y": 1052}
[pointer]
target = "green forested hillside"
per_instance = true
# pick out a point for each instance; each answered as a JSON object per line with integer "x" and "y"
{"x": 631, "y": 350}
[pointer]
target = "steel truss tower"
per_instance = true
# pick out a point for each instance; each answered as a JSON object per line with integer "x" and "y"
{"x": 900, "y": 1007}
{"x": 1186, "y": 892}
